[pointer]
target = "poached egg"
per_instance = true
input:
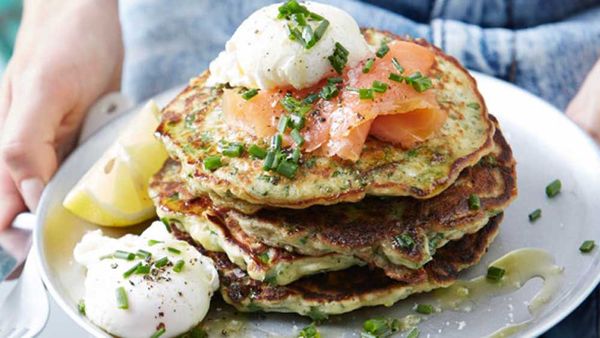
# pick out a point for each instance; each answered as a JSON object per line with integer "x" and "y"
{"x": 260, "y": 54}
{"x": 165, "y": 297}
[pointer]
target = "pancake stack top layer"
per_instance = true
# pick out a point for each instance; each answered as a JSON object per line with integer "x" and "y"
{"x": 193, "y": 126}
{"x": 410, "y": 220}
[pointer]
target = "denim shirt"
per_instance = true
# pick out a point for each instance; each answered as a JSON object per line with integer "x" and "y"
{"x": 544, "y": 46}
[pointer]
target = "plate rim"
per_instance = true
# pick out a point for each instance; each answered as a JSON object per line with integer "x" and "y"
{"x": 550, "y": 320}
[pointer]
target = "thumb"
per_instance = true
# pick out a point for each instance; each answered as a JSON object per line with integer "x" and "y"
{"x": 10, "y": 199}
{"x": 29, "y": 142}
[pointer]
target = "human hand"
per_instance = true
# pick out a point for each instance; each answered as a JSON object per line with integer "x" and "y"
{"x": 67, "y": 54}
{"x": 584, "y": 109}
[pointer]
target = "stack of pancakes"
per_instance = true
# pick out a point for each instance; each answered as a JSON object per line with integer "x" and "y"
{"x": 340, "y": 235}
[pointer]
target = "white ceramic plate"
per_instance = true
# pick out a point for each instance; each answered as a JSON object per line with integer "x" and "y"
{"x": 546, "y": 145}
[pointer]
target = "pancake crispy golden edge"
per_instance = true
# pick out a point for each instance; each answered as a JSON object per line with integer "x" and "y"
{"x": 262, "y": 244}
{"x": 263, "y": 263}
{"x": 432, "y": 222}
{"x": 344, "y": 291}
{"x": 382, "y": 169}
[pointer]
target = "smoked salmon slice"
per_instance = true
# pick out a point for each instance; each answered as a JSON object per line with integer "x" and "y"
{"x": 400, "y": 115}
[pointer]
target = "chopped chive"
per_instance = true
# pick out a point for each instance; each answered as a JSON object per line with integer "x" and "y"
{"x": 334, "y": 80}
{"x": 257, "y": 151}
{"x": 278, "y": 159}
{"x": 414, "y": 333}
{"x": 122, "y": 301}
{"x": 534, "y": 215}
{"x": 296, "y": 155}
{"x": 178, "y": 266}
{"x": 419, "y": 82}
{"x": 368, "y": 65}
{"x": 233, "y": 150}
{"x": 276, "y": 141}
{"x": 297, "y": 137}
{"x": 250, "y": 93}
{"x": 124, "y": 255}
{"x": 380, "y": 327}
{"x": 143, "y": 269}
{"x": 329, "y": 91}
{"x": 425, "y": 309}
{"x": 291, "y": 105}
{"x": 284, "y": 122}
{"x": 397, "y": 65}
{"x": 161, "y": 262}
{"x": 299, "y": 15}
{"x": 212, "y": 162}
{"x": 316, "y": 35}
{"x": 295, "y": 34}
{"x": 129, "y": 272}
{"x": 153, "y": 242}
{"x": 297, "y": 122}
{"x": 143, "y": 254}
{"x": 81, "y": 307}
{"x": 174, "y": 250}
{"x": 310, "y": 98}
{"x": 553, "y": 188}
{"x": 365, "y": 94}
{"x": 309, "y": 332}
{"x": 383, "y": 49}
{"x": 291, "y": 7}
{"x": 494, "y": 273}
{"x": 379, "y": 86}
{"x": 395, "y": 77}
{"x": 587, "y": 246}
{"x": 299, "y": 18}
{"x": 307, "y": 36}
{"x": 315, "y": 16}
{"x": 474, "y": 202}
{"x": 269, "y": 159}
{"x": 287, "y": 169}
{"x": 167, "y": 223}
{"x": 375, "y": 326}
{"x": 339, "y": 58}
{"x": 158, "y": 333}
{"x": 422, "y": 84}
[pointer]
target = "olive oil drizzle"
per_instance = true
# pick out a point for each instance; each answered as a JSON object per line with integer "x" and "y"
{"x": 521, "y": 266}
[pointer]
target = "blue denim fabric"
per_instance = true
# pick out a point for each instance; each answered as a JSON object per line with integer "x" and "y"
{"x": 488, "y": 13}
{"x": 166, "y": 44}
{"x": 544, "y": 46}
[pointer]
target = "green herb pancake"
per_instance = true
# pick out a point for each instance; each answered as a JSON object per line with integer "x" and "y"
{"x": 391, "y": 231}
{"x": 273, "y": 265}
{"x": 398, "y": 235}
{"x": 338, "y": 292}
{"x": 194, "y": 130}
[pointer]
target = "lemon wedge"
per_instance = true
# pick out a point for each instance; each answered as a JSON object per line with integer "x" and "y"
{"x": 114, "y": 192}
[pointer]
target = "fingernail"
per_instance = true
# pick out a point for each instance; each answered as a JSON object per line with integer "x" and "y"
{"x": 31, "y": 190}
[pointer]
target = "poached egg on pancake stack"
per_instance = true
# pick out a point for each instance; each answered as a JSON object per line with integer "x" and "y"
{"x": 313, "y": 154}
